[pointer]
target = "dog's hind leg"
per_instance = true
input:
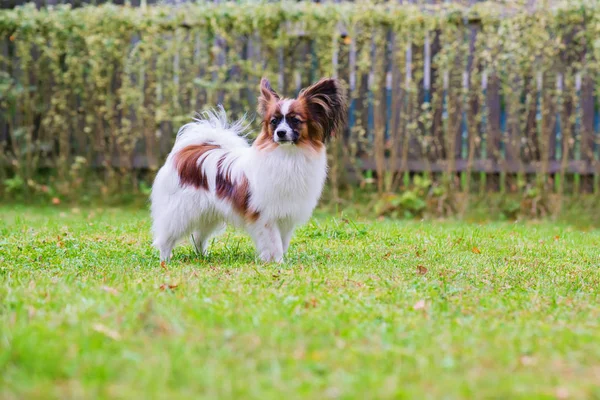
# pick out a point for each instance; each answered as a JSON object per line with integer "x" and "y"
{"x": 203, "y": 233}
{"x": 168, "y": 229}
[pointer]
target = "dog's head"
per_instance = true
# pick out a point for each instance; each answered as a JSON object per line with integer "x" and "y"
{"x": 310, "y": 120}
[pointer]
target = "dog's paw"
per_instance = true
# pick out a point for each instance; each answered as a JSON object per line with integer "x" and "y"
{"x": 268, "y": 257}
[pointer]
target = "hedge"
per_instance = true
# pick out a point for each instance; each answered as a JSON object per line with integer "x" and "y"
{"x": 91, "y": 97}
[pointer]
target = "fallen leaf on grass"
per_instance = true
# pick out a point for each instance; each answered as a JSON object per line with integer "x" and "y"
{"x": 419, "y": 305}
{"x": 311, "y": 303}
{"x": 333, "y": 392}
{"x": 315, "y": 355}
{"x": 476, "y": 250}
{"x": 160, "y": 326}
{"x": 169, "y": 286}
{"x": 107, "y": 331}
{"x": 299, "y": 353}
{"x": 110, "y": 290}
{"x": 527, "y": 360}
{"x": 421, "y": 270}
{"x": 163, "y": 265}
{"x": 562, "y": 393}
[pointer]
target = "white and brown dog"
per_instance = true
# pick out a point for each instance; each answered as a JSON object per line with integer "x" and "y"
{"x": 213, "y": 176}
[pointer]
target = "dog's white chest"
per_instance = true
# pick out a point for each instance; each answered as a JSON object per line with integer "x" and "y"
{"x": 288, "y": 184}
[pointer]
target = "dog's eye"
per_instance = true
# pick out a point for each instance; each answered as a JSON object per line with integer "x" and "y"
{"x": 274, "y": 121}
{"x": 295, "y": 120}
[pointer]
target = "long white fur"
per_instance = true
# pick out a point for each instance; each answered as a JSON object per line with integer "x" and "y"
{"x": 285, "y": 186}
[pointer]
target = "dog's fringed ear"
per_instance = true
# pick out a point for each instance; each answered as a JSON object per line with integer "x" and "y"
{"x": 267, "y": 95}
{"x": 326, "y": 101}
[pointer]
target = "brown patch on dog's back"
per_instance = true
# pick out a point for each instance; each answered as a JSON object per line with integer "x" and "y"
{"x": 238, "y": 193}
{"x": 189, "y": 169}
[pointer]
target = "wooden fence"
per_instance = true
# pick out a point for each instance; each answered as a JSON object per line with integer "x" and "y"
{"x": 137, "y": 3}
{"x": 415, "y": 106}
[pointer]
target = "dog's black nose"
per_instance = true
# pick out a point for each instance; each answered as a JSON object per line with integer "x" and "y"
{"x": 280, "y": 134}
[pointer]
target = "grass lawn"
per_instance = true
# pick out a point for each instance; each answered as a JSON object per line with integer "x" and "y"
{"x": 359, "y": 310}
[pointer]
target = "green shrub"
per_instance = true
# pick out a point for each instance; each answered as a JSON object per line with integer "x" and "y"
{"x": 111, "y": 85}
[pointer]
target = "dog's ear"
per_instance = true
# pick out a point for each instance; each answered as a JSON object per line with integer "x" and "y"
{"x": 267, "y": 95}
{"x": 326, "y": 102}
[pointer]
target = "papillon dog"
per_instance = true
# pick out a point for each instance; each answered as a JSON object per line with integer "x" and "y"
{"x": 213, "y": 176}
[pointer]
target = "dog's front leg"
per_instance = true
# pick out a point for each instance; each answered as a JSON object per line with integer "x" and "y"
{"x": 267, "y": 239}
{"x": 286, "y": 229}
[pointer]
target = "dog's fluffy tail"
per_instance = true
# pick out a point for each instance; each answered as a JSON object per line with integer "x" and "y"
{"x": 212, "y": 127}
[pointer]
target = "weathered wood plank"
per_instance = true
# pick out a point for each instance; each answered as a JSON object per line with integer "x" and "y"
{"x": 587, "y": 130}
{"x": 573, "y": 166}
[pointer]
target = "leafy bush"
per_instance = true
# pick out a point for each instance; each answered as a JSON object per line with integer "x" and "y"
{"x": 111, "y": 85}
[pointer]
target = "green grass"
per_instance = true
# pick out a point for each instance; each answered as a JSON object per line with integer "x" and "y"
{"x": 504, "y": 310}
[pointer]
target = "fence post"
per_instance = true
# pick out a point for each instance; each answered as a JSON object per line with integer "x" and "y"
{"x": 437, "y": 93}
{"x": 587, "y": 132}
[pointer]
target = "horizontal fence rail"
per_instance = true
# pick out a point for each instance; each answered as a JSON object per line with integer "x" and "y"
{"x": 137, "y": 3}
{"x": 487, "y": 97}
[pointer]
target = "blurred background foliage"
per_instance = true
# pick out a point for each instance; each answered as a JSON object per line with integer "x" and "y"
{"x": 451, "y": 105}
